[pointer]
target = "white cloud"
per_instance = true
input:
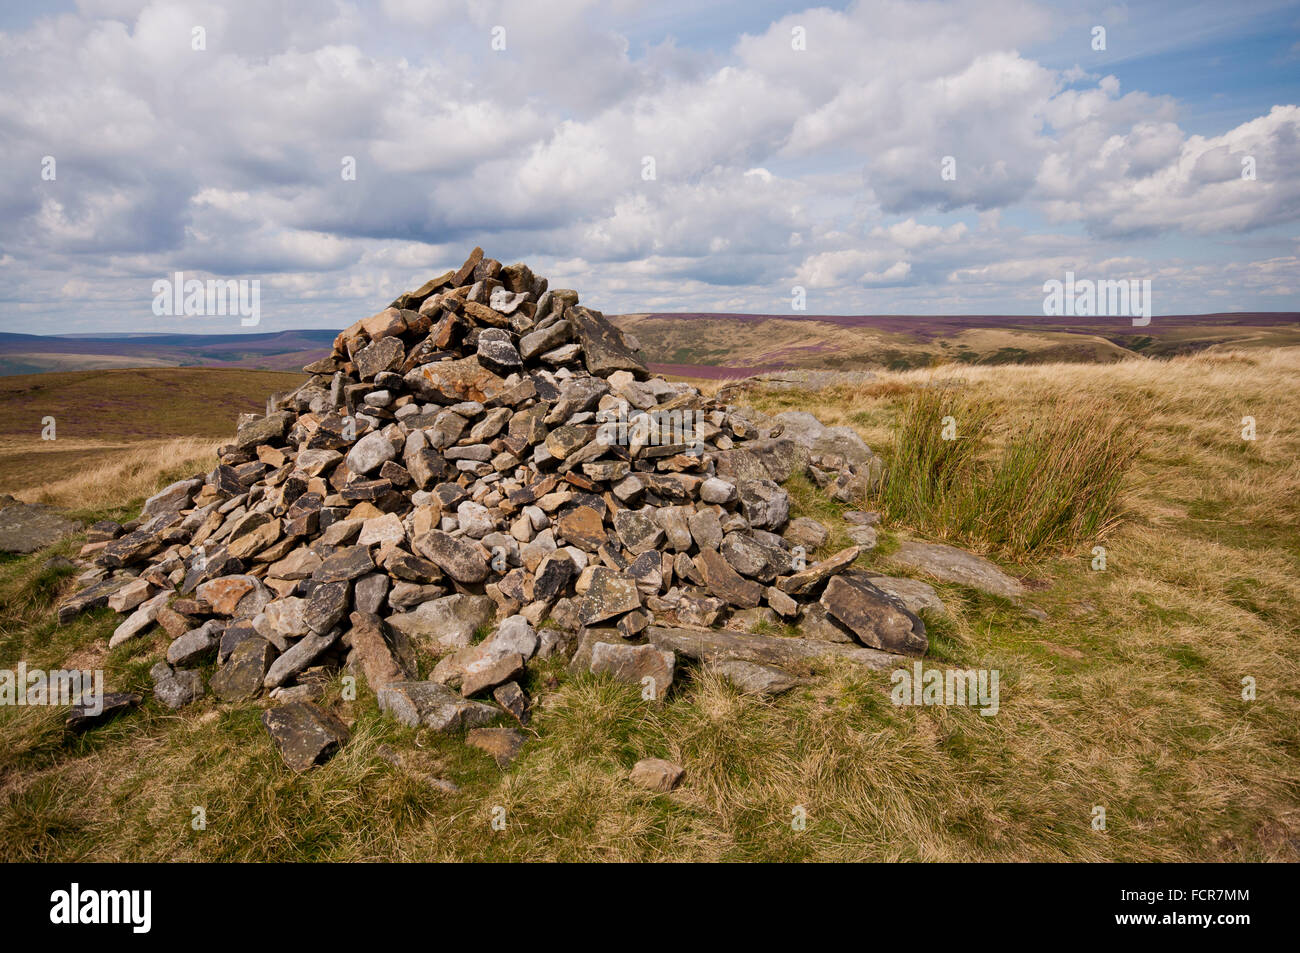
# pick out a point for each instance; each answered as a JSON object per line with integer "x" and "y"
{"x": 772, "y": 165}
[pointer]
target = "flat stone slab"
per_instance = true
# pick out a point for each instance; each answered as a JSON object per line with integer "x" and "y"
{"x": 753, "y": 678}
{"x": 28, "y": 527}
{"x": 432, "y": 705}
{"x": 712, "y": 645}
{"x": 950, "y": 564}
{"x": 913, "y": 593}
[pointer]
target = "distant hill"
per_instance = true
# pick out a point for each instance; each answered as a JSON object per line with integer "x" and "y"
{"x": 701, "y": 344}
{"x": 277, "y": 350}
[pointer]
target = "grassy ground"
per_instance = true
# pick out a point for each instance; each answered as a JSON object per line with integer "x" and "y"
{"x": 114, "y": 430}
{"x": 1128, "y": 696}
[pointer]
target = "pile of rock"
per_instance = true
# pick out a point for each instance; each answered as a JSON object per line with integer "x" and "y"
{"x": 484, "y": 456}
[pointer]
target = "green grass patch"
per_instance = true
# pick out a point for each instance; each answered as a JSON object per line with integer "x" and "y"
{"x": 1051, "y": 483}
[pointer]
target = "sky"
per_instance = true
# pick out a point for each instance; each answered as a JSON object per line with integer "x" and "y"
{"x": 882, "y": 156}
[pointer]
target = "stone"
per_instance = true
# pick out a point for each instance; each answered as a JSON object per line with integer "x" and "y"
{"x": 241, "y": 677}
{"x": 774, "y": 460}
{"x": 754, "y": 557}
{"x": 633, "y": 663}
{"x": 876, "y": 620}
{"x": 917, "y": 596}
{"x": 326, "y": 606}
{"x": 131, "y": 595}
{"x": 860, "y": 518}
{"x": 375, "y": 654}
{"x": 764, "y": 504}
{"x": 29, "y": 527}
{"x": 819, "y": 572}
{"x": 583, "y": 527}
{"x": 843, "y": 442}
{"x": 138, "y": 621}
{"x": 225, "y": 593}
{"x": 305, "y": 734}
{"x": 676, "y": 526}
{"x": 609, "y": 594}
{"x": 656, "y": 774}
{"x": 386, "y": 529}
{"x": 781, "y": 603}
{"x": 514, "y": 634}
{"x": 638, "y": 530}
{"x": 177, "y": 496}
{"x": 129, "y": 549}
{"x": 447, "y": 623}
{"x": 502, "y": 744}
{"x": 725, "y": 583}
{"x": 706, "y": 529}
{"x": 816, "y": 623}
{"x": 806, "y": 532}
{"x": 714, "y": 490}
{"x": 176, "y": 688}
{"x": 497, "y": 354}
{"x": 603, "y": 345}
{"x": 432, "y": 705}
{"x": 753, "y": 678}
{"x": 110, "y": 705}
{"x": 197, "y": 644}
{"x": 255, "y": 533}
{"x": 234, "y": 634}
{"x": 775, "y": 650}
{"x": 537, "y": 342}
{"x": 950, "y": 564}
{"x": 270, "y": 429}
{"x": 300, "y": 655}
{"x": 369, "y": 593}
{"x": 512, "y": 698}
{"x": 475, "y": 519}
{"x": 92, "y": 597}
{"x": 864, "y": 536}
{"x": 282, "y": 620}
{"x": 489, "y": 670}
{"x": 461, "y": 560}
{"x": 448, "y": 382}
{"x": 386, "y": 354}
{"x": 299, "y": 564}
{"x": 345, "y": 564}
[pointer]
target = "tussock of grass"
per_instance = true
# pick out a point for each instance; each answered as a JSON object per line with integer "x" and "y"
{"x": 1053, "y": 484}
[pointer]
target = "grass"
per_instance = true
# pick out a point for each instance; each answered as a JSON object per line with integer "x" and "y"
{"x": 1129, "y": 696}
{"x": 119, "y": 425}
{"x": 1054, "y": 483}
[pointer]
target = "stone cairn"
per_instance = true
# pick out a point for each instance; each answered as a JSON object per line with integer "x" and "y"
{"x": 487, "y": 456}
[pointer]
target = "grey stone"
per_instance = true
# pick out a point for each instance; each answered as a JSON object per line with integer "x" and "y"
{"x": 432, "y": 705}
{"x": 448, "y": 622}
{"x": 877, "y": 620}
{"x": 950, "y": 564}
{"x": 754, "y": 678}
{"x": 304, "y": 734}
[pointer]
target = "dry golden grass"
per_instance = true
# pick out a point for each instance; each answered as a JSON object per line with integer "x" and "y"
{"x": 1128, "y": 697}
{"x": 132, "y": 471}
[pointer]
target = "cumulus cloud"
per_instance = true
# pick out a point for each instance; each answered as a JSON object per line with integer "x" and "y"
{"x": 873, "y": 154}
